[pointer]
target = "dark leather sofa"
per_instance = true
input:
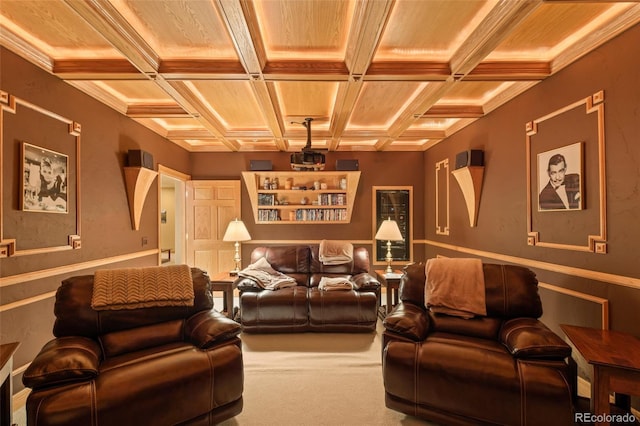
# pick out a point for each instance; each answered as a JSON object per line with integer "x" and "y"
{"x": 145, "y": 366}
{"x": 506, "y": 368}
{"x": 304, "y": 307}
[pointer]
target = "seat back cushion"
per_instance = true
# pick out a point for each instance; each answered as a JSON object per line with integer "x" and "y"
{"x": 135, "y": 339}
{"x": 76, "y": 317}
{"x": 510, "y": 291}
{"x": 358, "y": 265}
{"x": 290, "y": 260}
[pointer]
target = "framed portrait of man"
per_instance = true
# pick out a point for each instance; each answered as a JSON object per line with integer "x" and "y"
{"x": 560, "y": 179}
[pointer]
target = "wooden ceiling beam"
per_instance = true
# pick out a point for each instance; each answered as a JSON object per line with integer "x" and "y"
{"x": 242, "y": 22}
{"x": 370, "y": 18}
{"x": 111, "y": 25}
{"x": 408, "y": 70}
{"x": 454, "y": 111}
{"x": 156, "y": 111}
{"x": 494, "y": 28}
{"x": 179, "y": 91}
{"x": 509, "y": 70}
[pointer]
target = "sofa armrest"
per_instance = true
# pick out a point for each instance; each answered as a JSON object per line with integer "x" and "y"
{"x": 530, "y": 338}
{"x": 244, "y": 284}
{"x": 365, "y": 281}
{"x": 64, "y": 360}
{"x": 408, "y": 320}
{"x": 208, "y": 328}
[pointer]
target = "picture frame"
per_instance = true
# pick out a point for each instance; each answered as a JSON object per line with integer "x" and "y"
{"x": 582, "y": 120}
{"x": 560, "y": 180}
{"x": 44, "y": 180}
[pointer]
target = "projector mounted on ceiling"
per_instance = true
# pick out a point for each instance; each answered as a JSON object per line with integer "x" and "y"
{"x": 308, "y": 158}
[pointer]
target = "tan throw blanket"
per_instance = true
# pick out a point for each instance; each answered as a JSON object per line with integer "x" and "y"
{"x": 133, "y": 288}
{"x": 267, "y": 277}
{"x": 335, "y": 283}
{"x": 455, "y": 287}
{"x": 335, "y": 252}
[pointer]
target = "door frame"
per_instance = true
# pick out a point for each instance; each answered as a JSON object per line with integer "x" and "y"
{"x": 181, "y": 213}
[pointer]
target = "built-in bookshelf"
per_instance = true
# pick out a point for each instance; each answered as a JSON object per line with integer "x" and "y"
{"x": 311, "y": 197}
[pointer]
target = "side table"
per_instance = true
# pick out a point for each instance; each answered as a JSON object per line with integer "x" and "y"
{"x": 615, "y": 357}
{"x": 7, "y": 350}
{"x": 225, "y": 283}
{"x": 392, "y": 284}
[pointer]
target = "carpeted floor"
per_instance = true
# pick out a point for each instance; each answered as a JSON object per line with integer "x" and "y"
{"x": 315, "y": 379}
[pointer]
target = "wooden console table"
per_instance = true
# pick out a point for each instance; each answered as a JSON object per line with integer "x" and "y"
{"x": 615, "y": 357}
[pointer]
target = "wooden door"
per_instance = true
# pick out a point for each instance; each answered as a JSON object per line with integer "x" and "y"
{"x": 211, "y": 205}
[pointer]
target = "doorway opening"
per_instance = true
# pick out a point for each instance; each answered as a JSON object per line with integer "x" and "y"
{"x": 172, "y": 220}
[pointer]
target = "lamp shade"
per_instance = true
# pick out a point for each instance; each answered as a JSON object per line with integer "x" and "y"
{"x": 389, "y": 231}
{"x": 236, "y": 231}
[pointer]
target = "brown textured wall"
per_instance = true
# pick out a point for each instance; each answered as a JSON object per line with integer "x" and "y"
{"x": 106, "y": 229}
{"x": 377, "y": 169}
{"x": 502, "y": 226}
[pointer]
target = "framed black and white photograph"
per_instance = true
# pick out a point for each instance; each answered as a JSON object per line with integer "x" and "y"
{"x": 44, "y": 180}
{"x": 560, "y": 177}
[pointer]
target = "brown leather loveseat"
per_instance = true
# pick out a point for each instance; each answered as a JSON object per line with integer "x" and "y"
{"x": 304, "y": 307}
{"x": 504, "y": 368}
{"x": 146, "y": 366}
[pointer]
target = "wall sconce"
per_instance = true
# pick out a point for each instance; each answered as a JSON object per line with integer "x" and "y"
{"x": 236, "y": 231}
{"x": 389, "y": 231}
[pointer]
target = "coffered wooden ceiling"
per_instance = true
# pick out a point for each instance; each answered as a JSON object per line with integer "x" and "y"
{"x": 232, "y": 75}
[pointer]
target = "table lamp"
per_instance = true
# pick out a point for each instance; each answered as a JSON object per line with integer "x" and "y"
{"x": 236, "y": 231}
{"x": 389, "y": 231}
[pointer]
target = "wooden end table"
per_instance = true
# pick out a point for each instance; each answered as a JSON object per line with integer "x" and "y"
{"x": 225, "y": 283}
{"x": 7, "y": 350}
{"x": 615, "y": 357}
{"x": 392, "y": 284}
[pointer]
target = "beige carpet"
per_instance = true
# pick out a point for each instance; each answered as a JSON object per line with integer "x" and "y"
{"x": 315, "y": 379}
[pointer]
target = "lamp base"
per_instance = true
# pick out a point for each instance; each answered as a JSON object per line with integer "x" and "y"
{"x": 234, "y": 272}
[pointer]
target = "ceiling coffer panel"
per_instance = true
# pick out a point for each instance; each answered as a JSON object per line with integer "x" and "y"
{"x": 238, "y": 75}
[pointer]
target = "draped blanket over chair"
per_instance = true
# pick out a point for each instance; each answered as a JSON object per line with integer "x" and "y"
{"x": 170, "y": 359}
{"x": 505, "y": 367}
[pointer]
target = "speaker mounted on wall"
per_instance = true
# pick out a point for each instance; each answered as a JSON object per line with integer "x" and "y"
{"x": 140, "y": 158}
{"x": 347, "y": 165}
{"x": 472, "y": 157}
{"x": 260, "y": 165}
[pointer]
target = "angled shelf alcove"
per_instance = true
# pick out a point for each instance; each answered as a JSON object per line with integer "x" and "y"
{"x": 470, "y": 180}
{"x": 138, "y": 181}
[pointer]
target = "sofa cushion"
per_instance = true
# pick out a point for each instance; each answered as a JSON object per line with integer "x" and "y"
{"x": 341, "y": 307}
{"x": 286, "y": 259}
{"x": 286, "y": 307}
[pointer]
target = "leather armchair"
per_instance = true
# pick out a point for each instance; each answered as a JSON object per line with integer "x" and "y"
{"x": 155, "y": 365}
{"x": 505, "y": 368}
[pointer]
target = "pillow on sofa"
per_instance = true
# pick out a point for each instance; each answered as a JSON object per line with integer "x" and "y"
{"x": 267, "y": 277}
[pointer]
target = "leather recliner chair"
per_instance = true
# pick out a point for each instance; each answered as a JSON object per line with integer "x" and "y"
{"x": 145, "y": 366}
{"x": 505, "y": 368}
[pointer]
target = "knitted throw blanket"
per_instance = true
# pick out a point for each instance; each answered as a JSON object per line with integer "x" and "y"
{"x": 133, "y": 288}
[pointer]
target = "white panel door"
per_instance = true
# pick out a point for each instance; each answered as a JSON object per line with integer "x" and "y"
{"x": 211, "y": 205}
